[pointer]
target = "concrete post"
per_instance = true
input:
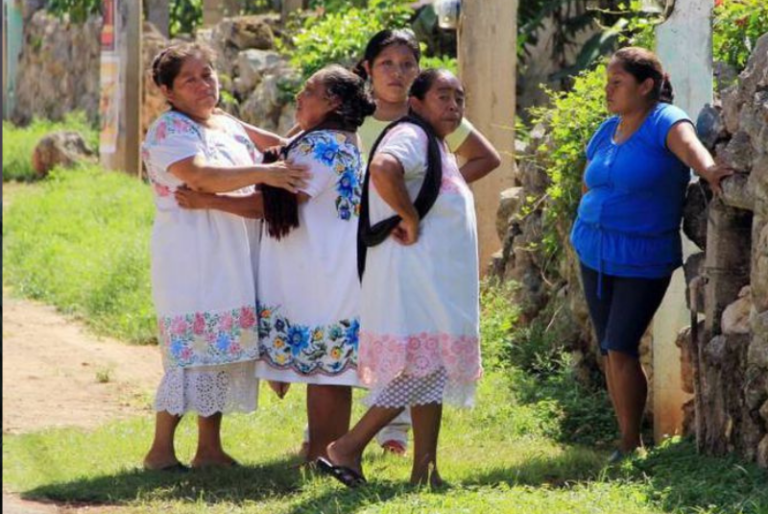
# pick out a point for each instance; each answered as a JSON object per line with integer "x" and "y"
{"x": 689, "y": 28}
{"x": 487, "y": 61}
{"x": 122, "y": 152}
{"x": 159, "y": 15}
{"x": 13, "y": 40}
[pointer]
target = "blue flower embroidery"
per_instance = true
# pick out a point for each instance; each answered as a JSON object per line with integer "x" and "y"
{"x": 348, "y": 182}
{"x": 223, "y": 342}
{"x": 176, "y": 347}
{"x": 326, "y": 150}
{"x": 353, "y": 333}
{"x": 298, "y": 339}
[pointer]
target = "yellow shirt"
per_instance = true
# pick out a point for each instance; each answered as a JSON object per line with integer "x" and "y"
{"x": 371, "y": 128}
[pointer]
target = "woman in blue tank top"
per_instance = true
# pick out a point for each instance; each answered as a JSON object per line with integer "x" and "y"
{"x": 627, "y": 233}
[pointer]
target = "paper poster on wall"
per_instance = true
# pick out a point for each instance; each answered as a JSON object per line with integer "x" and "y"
{"x": 109, "y": 28}
{"x": 109, "y": 103}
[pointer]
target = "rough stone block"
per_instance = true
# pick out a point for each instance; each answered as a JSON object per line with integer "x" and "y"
{"x": 758, "y": 348}
{"x": 510, "y": 202}
{"x": 736, "y": 316}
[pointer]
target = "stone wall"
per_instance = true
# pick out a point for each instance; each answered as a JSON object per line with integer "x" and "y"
{"x": 726, "y": 364}
{"x": 729, "y": 278}
{"x": 60, "y": 64}
{"x": 58, "y": 68}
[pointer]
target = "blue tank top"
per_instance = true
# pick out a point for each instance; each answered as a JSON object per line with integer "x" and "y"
{"x": 628, "y": 222}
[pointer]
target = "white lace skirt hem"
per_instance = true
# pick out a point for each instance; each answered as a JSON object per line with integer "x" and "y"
{"x": 409, "y": 390}
{"x": 209, "y": 390}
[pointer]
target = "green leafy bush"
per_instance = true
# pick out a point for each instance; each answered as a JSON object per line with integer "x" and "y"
{"x": 571, "y": 120}
{"x": 340, "y": 36}
{"x": 20, "y": 142}
{"x": 80, "y": 241}
{"x": 498, "y": 318}
{"x": 78, "y": 10}
{"x": 737, "y": 26}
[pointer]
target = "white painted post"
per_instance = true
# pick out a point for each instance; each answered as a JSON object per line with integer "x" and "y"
{"x": 121, "y": 78}
{"x": 684, "y": 45}
{"x": 487, "y": 61}
{"x": 13, "y": 40}
{"x": 159, "y": 15}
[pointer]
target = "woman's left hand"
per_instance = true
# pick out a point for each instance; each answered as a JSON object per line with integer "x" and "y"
{"x": 715, "y": 174}
{"x": 189, "y": 199}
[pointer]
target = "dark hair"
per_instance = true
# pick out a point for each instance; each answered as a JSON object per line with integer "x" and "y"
{"x": 643, "y": 64}
{"x": 167, "y": 64}
{"x": 424, "y": 82}
{"x": 355, "y": 103}
{"x": 382, "y": 40}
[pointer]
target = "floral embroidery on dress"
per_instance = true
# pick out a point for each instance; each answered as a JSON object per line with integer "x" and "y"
{"x": 326, "y": 349}
{"x": 209, "y": 338}
{"x": 333, "y": 150}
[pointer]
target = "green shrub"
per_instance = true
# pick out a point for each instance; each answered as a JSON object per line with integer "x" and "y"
{"x": 20, "y": 142}
{"x": 498, "y": 316}
{"x": 737, "y": 26}
{"x": 340, "y": 36}
{"x": 80, "y": 241}
{"x": 77, "y": 10}
{"x": 571, "y": 120}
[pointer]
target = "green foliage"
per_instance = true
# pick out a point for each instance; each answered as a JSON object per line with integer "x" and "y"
{"x": 78, "y": 10}
{"x": 340, "y": 36}
{"x": 337, "y": 5}
{"x": 19, "y": 143}
{"x": 737, "y": 26}
{"x": 80, "y": 241}
{"x": 444, "y": 61}
{"x": 498, "y": 318}
{"x": 186, "y": 16}
{"x": 572, "y": 119}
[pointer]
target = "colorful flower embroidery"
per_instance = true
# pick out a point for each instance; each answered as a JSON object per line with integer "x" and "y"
{"x": 333, "y": 150}
{"x": 327, "y": 349}
{"x": 209, "y": 338}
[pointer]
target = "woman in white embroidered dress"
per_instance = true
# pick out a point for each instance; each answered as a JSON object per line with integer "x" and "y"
{"x": 203, "y": 261}
{"x": 309, "y": 292}
{"x": 419, "y": 319}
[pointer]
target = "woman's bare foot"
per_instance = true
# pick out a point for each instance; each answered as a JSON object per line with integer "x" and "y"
{"x": 156, "y": 460}
{"x": 426, "y": 476}
{"x": 339, "y": 458}
{"x": 213, "y": 459}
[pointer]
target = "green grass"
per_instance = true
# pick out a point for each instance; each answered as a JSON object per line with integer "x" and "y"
{"x": 494, "y": 463}
{"x": 80, "y": 241}
{"x": 20, "y": 142}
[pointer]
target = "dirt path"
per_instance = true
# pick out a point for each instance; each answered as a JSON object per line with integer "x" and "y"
{"x": 55, "y": 373}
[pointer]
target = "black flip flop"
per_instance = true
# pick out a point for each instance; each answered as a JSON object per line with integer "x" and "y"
{"x": 173, "y": 468}
{"x": 344, "y": 474}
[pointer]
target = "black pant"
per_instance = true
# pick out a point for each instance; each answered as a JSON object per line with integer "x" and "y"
{"x": 624, "y": 308}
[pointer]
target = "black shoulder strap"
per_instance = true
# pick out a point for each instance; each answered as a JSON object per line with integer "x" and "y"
{"x": 368, "y": 235}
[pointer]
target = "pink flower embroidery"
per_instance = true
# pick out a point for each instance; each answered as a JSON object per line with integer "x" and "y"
{"x": 198, "y": 327}
{"x": 161, "y": 132}
{"x": 247, "y": 318}
{"x": 226, "y": 322}
{"x": 179, "y": 326}
{"x": 161, "y": 190}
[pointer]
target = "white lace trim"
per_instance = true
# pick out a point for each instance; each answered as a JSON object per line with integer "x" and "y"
{"x": 208, "y": 390}
{"x": 408, "y": 390}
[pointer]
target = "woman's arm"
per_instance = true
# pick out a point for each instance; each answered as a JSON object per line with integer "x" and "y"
{"x": 200, "y": 176}
{"x": 251, "y": 206}
{"x": 263, "y": 139}
{"x": 387, "y": 176}
{"x": 479, "y": 155}
{"x": 683, "y": 142}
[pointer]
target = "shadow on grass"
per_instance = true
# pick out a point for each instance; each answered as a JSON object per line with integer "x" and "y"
{"x": 234, "y": 485}
{"x": 680, "y": 480}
